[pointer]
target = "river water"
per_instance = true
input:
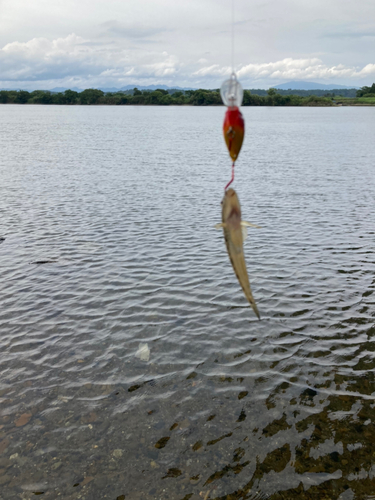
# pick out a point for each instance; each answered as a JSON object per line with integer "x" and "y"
{"x": 131, "y": 365}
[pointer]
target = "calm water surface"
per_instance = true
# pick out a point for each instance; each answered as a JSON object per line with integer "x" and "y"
{"x": 107, "y": 242}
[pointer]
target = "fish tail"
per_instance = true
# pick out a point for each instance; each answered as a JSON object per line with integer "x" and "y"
{"x": 255, "y": 308}
{"x": 239, "y": 266}
{"x": 248, "y": 294}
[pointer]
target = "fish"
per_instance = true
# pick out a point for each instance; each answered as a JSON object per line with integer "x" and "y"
{"x": 235, "y": 230}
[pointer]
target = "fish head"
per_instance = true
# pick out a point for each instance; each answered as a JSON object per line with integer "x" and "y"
{"x": 230, "y": 206}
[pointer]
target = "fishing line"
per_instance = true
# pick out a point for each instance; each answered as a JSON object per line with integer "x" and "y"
{"x": 232, "y": 179}
{"x": 232, "y": 94}
{"x": 232, "y": 36}
{"x": 232, "y": 44}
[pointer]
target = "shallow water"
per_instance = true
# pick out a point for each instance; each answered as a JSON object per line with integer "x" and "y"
{"x": 107, "y": 242}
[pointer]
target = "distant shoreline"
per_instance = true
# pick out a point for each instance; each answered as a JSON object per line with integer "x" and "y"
{"x": 333, "y": 105}
{"x": 201, "y": 97}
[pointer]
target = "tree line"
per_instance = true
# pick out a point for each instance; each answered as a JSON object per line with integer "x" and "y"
{"x": 307, "y": 93}
{"x": 201, "y": 97}
{"x": 366, "y": 91}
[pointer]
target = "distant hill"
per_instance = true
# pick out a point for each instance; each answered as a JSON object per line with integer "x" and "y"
{"x": 62, "y": 89}
{"x": 154, "y": 87}
{"x": 301, "y": 85}
{"x": 7, "y": 89}
{"x": 109, "y": 89}
{"x": 127, "y": 87}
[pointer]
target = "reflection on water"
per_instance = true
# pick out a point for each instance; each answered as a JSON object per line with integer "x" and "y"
{"x": 131, "y": 365}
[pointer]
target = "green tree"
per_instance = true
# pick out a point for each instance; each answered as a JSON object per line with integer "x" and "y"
{"x": 250, "y": 99}
{"x": 162, "y": 91}
{"x": 366, "y": 90}
{"x": 155, "y": 97}
{"x": 110, "y": 98}
{"x": 178, "y": 98}
{"x": 71, "y": 96}
{"x": 4, "y": 98}
{"x": 59, "y": 98}
{"x": 124, "y": 99}
{"x": 204, "y": 97}
{"x": 46, "y": 97}
{"x": 295, "y": 100}
{"x": 22, "y": 97}
{"x": 246, "y": 98}
{"x": 40, "y": 97}
{"x": 138, "y": 98}
{"x": 90, "y": 96}
{"x": 12, "y": 95}
{"x": 166, "y": 100}
{"x": 314, "y": 100}
{"x": 278, "y": 100}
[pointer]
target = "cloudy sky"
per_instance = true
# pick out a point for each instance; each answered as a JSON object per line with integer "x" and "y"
{"x": 112, "y": 43}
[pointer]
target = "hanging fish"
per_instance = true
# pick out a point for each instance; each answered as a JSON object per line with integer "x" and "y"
{"x": 234, "y": 232}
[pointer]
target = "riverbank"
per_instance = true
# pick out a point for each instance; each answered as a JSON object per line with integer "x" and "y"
{"x": 356, "y": 101}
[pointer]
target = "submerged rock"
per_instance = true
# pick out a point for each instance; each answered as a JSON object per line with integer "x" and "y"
{"x": 23, "y": 420}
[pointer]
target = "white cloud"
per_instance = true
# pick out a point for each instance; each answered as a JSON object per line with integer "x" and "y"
{"x": 75, "y": 57}
{"x": 78, "y": 60}
{"x": 164, "y": 68}
{"x": 290, "y": 69}
{"x": 369, "y": 69}
{"x": 41, "y": 47}
{"x": 40, "y": 58}
{"x": 213, "y": 70}
{"x": 124, "y": 40}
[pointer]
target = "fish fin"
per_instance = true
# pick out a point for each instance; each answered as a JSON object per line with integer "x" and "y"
{"x": 220, "y": 225}
{"x": 245, "y": 223}
{"x": 243, "y": 231}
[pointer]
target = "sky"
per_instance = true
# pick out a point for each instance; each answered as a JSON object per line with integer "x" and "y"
{"x": 113, "y": 43}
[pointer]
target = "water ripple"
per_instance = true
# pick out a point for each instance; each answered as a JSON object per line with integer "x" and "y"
{"x": 107, "y": 244}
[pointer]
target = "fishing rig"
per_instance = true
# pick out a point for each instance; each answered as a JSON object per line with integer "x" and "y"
{"x": 234, "y": 125}
{"x": 234, "y": 228}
